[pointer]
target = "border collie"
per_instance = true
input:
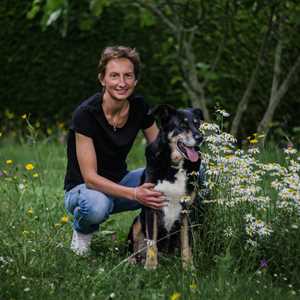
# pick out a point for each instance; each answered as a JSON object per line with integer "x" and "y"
{"x": 172, "y": 165}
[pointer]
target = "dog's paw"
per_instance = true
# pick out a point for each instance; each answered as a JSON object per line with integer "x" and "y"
{"x": 151, "y": 258}
{"x": 151, "y": 265}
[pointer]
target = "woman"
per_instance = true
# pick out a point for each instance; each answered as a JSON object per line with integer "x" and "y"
{"x": 102, "y": 132}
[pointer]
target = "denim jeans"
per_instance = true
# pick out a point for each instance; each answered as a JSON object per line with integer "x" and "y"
{"x": 91, "y": 208}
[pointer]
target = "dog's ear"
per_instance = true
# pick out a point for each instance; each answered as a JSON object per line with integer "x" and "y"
{"x": 163, "y": 112}
{"x": 198, "y": 113}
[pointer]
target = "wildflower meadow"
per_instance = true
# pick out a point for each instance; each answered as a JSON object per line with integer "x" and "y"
{"x": 245, "y": 239}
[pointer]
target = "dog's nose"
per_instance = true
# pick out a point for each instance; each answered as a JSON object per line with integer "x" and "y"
{"x": 198, "y": 137}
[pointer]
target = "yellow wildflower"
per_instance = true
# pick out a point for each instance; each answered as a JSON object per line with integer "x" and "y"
{"x": 24, "y": 116}
{"x": 175, "y": 296}
{"x": 30, "y": 211}
{"x": 29, "y": 167}
{"x": 9, "y": 161}
{"x": 194, "y": 173}
{"x": 61, "y": 125}
{"x": 49, "y": 131}
{"x": 193, "y": 285}
{"x": 253, "y": 141}
{"x": 9, "y": 115}
{"x": 35, "y": 175}
{"x": 64, "y": 219}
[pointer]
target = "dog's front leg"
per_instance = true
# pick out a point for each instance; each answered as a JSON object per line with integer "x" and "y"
{"x": 186, "y": 252}
{"x": 151, "y": 232}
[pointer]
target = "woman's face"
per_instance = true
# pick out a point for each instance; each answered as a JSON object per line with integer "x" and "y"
{"x": 119, "y": 80}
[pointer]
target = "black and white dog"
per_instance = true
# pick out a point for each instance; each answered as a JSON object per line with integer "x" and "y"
{"x": 172, "y": 162}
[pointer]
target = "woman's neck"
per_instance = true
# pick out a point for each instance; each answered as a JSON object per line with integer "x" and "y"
{"x": 113, "y": 107}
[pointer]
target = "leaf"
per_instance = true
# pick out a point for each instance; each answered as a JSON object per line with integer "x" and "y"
{"x": 147, "y": 18}
{"x": 53, "y": 5}
{"x": 53, "y": 17}
{"x": 210, "y": 75}
{"x": 202, "y": 66}
{"x": 53, "y": 9}
{"x": 86, "y": 24}
{"x": 97, "y": 6}
{"x": 35, "y": 8}
{"x": 175, "y": 79}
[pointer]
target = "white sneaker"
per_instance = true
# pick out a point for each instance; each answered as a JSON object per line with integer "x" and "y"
{"x": 81, "y": 243}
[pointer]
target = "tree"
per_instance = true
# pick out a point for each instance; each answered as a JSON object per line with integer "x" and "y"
{"x": 279, "y": 90}
{"x": 244, "y": 102}
{"x": 218, "y": 50}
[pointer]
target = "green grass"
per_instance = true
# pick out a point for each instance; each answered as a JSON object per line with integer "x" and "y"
{"x": 36, "y": 262}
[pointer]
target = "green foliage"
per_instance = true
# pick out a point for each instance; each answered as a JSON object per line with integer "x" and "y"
{"x": 47, "y": 75}
{"x": 46, "y": 69}
{"x": 36, "y": 261}
{"x": 97, "y": 6}
{"x": 35, "y": 8}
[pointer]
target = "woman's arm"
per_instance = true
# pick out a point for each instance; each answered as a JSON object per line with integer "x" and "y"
{"x": 151, "y": 133}
{"x": 87, "y": 160}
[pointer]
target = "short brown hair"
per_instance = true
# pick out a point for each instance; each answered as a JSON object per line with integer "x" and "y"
{"x": 119, "y": 52}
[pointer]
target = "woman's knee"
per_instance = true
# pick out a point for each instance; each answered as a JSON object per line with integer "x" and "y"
{"x": 95, "y": 207}
{"x": 133, "y": 178}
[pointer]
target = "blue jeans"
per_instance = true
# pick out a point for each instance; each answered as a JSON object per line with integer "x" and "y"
{"x": 91, "y": 208}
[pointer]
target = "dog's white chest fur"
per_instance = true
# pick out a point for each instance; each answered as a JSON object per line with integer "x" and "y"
{"x": 174, "y": 193}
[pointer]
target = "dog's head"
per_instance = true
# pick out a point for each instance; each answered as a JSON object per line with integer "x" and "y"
{"x": 181, "y": 128}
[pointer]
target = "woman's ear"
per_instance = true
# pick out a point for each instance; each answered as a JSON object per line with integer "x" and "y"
{"x": 101, "y": 80}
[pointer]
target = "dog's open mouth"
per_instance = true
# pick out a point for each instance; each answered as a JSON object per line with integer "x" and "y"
{"x": 188, "y": 152}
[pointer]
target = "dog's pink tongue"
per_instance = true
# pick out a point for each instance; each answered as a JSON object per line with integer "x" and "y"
{"x": 192, "y": 154}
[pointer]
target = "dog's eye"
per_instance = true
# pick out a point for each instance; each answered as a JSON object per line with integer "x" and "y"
{"x": 197, "y": 122}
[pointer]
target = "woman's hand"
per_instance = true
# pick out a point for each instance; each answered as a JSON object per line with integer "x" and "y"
{"x": 147, "y": 196}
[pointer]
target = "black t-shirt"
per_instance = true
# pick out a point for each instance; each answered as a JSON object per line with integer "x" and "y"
{"x": 111, "y": 146}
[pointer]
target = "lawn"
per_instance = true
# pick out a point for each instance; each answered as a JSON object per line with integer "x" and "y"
{"x": 36, "y": 261}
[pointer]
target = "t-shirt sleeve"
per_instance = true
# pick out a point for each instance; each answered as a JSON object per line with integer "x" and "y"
{"x": 82, "y": 122}
{"x": 148, "y": 118}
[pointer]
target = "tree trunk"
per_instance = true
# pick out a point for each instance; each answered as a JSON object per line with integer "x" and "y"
{"x": 277, "y": 93}
{"x": 193, "y": 86}
{"x": 243, "y": 104}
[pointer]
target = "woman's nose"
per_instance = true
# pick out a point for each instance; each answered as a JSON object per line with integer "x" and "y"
{"x": 122, "y": 81}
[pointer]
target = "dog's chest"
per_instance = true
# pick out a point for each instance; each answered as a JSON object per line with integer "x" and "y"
{"x": 173, "y": 191}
